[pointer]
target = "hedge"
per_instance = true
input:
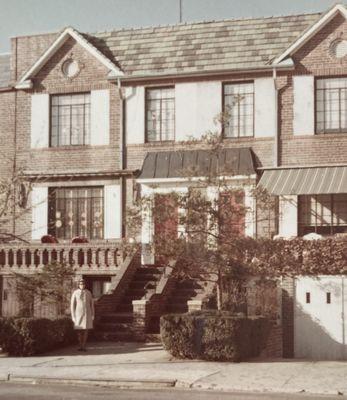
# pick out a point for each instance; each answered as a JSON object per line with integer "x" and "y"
{"x": 214, "y": 336}
{"x": 29, "y": 336}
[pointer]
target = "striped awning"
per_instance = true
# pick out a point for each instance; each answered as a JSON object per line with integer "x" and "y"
{"x": 310, "y": 180}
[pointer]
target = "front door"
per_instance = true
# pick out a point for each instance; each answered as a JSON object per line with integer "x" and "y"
{"x": 319, "y": 318}
{"x": 165, "y": 224}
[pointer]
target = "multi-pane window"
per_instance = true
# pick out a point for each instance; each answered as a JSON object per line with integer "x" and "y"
{"x": 331, "y": 105}
{"x": 325, "y": 214}
{"x": 238, "y": 109}
{"x": 76, "y": 211}
{"x": 70, "y": 120}
{"x": 160, "y": 114}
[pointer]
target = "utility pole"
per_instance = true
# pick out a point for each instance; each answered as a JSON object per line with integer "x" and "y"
{"x": 180, "y": 10}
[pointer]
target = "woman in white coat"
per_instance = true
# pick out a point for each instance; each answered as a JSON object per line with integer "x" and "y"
{"x": 82, "y": 313}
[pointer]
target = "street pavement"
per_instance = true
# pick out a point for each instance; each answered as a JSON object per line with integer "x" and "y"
{"x": 138, "y": 365}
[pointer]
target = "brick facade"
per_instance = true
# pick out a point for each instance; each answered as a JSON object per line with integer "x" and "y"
{"x": 313, "y": 58}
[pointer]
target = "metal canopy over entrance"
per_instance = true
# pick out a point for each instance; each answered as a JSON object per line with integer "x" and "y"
{"x": 197, "y": 163}
{"x": 305, "y": 180}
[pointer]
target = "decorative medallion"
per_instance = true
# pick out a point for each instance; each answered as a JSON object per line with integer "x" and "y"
{"x": 70, "y": 68}
{"x": 338, "y": 48}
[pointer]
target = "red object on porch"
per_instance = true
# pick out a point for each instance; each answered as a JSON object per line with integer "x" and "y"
{"x": 79, "y": 239}
{"x": 49, "y": 239}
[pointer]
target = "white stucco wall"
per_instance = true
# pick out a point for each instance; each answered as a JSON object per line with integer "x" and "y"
{"x": 303, "y": 122}
{"x": 288, "y": 218}
{"x": 135, "y": 115}
{"x": 39, "y": 120}
{"x": 39, "y": 202}
{"x": 265, "y": 107}
{"x": 100, "y": 117}
{"x": 197, "y": 105}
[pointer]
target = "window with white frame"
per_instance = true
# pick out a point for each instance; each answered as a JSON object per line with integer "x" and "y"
{"x": 160, "y": 114}
{"x": 70, "y": 120}
{"x": 325, "y": 214}
{"x": 238, "y": 109}
{"x": 331, "y": 105}
{"x": 76, "y": 211}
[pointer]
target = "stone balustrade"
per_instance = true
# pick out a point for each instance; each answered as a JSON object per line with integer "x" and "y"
{"x": 94, "y": 256}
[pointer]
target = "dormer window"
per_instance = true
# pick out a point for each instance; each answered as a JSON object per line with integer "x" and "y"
{"x": 70, "y": 120}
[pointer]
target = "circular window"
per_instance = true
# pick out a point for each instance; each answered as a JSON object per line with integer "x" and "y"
{"x": 338, "y": 48}
{"x": 70, "y": 68}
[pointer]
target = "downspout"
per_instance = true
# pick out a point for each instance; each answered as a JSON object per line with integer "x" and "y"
{"x": 276, "y": 143}
{"x": 122, "y": 153}
{"x": 15, "y": 140}
{"x": 276, "y": 149}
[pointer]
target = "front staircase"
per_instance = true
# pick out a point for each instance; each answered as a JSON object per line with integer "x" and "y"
{"x": 115, "y": 322}
{"x": 183, "y": 291}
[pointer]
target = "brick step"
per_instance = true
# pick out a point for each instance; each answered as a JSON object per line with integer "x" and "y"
{"x": 125, "y": 308}
{"x": 153, "y": 337}
{"x": 113, "y": 327}
{"x": 113, "y": 336}
{"x": 135, "y": 292}
{"x": 127, "y": 299}
{"x": 187, "y": 292}
{"x": 188, "y": 285}
{"x": 148, "y": 270}
{"x": 137, "y": 285}
{"x": 180, "y": 299}
{"x": 176, "y": 308}
{"x": 146, "y": 278}
{"x": 119, "y": 317}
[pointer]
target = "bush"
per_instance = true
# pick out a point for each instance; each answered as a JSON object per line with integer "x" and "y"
{"x": 214, "y": 335}
{"x": 29, "y": 336}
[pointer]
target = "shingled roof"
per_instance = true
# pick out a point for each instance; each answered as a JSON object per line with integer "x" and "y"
{"x": 5, "y": 73}
{"x": 202, "y": 46}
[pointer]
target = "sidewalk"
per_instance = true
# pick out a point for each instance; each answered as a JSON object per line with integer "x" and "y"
{"x": 148, "y": 365}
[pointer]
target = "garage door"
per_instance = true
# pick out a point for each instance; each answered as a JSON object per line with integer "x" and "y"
{"x": 320, "y": 326}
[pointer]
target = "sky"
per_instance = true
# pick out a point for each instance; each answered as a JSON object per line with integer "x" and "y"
{"x": 25, "y": 17}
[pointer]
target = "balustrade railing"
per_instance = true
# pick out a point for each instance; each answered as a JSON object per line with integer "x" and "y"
{"x": 94, "y": 256}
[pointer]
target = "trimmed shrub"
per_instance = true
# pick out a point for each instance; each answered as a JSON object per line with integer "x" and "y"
{"x": 213, "y": 335}
{"x": 29, "y": 336}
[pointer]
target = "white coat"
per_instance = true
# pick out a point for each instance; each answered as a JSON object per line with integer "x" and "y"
{"x": 82, "y": 309}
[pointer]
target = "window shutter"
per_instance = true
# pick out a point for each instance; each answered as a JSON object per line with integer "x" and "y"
{"x": 100, "y": 117}
{"x": 39, "y": 121}
{"x": 39, "y": 196}
{"x": 288, "y": 220}
{"x": 113, "y": 212}
{"x": 303, "y": 87}
{"x": 135, "y": 115}
{"x": 265, "y": 108}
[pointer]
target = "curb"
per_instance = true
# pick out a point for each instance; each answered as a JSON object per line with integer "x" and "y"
{"x": 119, "y": 383}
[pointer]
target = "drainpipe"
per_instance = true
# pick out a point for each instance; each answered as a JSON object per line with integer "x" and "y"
{"x": 276, "y": 144}
{"x": 122, "y": 152}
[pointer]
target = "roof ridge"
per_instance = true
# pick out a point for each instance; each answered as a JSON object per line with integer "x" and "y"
{"x": 201, "y": 22}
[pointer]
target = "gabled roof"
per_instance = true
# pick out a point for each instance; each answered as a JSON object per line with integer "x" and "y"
{"x": 202, "y": 47}
{"x": 25, "y": 81}
{"x": 312, "y": 30}
{"x": 5, "y": 70}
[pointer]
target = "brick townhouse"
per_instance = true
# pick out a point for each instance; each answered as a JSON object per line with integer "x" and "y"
{"x": 92, "y": 120}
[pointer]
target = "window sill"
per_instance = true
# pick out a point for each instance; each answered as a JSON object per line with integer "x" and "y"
{"x": 70, "y": 147}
